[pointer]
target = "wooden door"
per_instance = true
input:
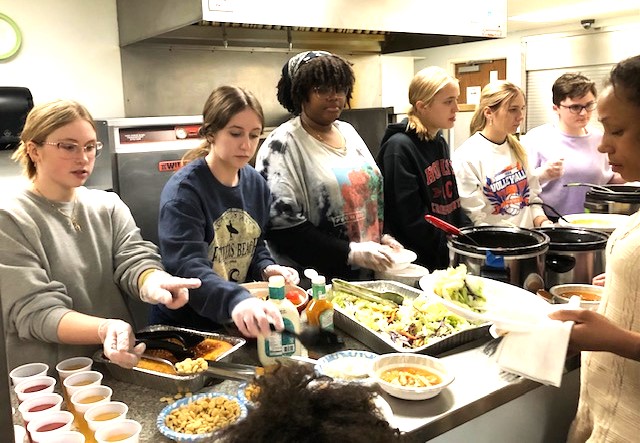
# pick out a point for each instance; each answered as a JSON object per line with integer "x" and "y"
{"x": 479, "y": 73}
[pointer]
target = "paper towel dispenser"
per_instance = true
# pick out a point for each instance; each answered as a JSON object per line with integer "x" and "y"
{"x": 15, "y": 104}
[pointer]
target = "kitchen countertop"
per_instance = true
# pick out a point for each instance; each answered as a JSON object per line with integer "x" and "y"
{"x": 479, "y": 387}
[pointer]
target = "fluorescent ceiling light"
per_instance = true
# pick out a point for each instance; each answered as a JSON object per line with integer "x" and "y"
{"x": 576, "y": 11}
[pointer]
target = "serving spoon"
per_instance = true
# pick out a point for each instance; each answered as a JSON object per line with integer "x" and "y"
{"x": 592, "y": 185}
{"x": 215, "y": 369}
{"x": 315, "y": 337}
{"x": 448, "y": 228}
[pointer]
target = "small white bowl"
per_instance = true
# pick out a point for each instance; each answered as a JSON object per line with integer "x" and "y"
{"x": 347, "y": 366}
{"x": 401, "y": 259}
{"x": 563, "y": 293}
{"x": 404, "y": 360}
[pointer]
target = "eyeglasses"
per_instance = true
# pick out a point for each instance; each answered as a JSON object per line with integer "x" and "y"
{"x": 70, "y": 150}
{"x": 577, "y": 109}
{"x": 326, "y": 91}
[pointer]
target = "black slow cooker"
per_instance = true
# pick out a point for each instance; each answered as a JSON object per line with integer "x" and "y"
{"x": 574, "y": 256}
{"x": 623, "y": 199}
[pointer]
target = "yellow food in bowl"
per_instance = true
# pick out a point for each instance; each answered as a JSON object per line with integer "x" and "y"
{"x": 411, "y": 376}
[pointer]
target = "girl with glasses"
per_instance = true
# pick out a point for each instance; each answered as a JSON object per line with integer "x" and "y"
{"x": 565, "y": 151}
{"x": 327, "y": 208}
{"x": 72, "y": 259}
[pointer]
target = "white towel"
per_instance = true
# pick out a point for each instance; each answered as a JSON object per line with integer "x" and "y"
{"x": 538, "y": 353}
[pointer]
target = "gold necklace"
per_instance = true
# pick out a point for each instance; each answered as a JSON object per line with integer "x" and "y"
{"x": 315, "y": 134}
{"x": 73, "y": 218}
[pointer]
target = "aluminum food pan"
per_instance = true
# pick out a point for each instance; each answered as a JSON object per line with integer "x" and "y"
{"x": 168, "y": 382}
{"x": 382, "y": 343}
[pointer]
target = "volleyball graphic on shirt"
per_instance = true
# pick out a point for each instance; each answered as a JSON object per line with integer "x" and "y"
{"x": 508, "y": 190}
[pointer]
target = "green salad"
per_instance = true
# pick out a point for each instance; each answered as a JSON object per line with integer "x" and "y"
{"x": 454, "y": 285}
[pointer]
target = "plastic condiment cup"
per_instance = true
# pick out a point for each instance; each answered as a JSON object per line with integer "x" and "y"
{"x": 103, "y": 413}
{"x": 51, "y": 423}
{"x": 79, "y": 380}
{"x": 122, "y": 431}
{"x": 63, "y": 437}
{"x": 29, "y": 370}
{"x": 83, "y": 399}
{"x": 72, "y": 365}
{"x": 39, "y": 406}
{"x": 33, "y": 386}
{"x": 19, "y": 433}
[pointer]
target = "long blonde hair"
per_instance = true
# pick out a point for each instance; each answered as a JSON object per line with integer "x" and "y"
{"x": 41, "y": 121}
{"x": 494, "y": 96}
{"x": 223, "y": 103}
{"x": 424, "y": 86}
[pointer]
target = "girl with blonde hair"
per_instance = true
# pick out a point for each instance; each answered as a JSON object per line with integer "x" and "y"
{"x": 415, "y": 162}
{"x": 494, "y": 181}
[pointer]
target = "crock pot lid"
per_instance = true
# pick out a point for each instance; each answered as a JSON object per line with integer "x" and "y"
{"x": 501, "y": 240}
{"x": 621, "y": 193}
{"x": 575, "y": 239}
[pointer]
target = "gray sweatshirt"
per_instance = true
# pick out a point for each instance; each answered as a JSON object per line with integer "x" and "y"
{"x": 47, "y": 268}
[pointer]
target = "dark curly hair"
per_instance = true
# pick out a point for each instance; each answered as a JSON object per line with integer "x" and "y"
{"x": 330, "y": 70}
{"x": 297, "y": 406}
{"x": 625, "y": 78}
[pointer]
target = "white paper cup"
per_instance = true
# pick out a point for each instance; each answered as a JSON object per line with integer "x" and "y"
{"x": 101, "y": 394}
{"x": 31, "y": 408}
{"x": 79, "y": 380}
{"x": 72, "y": 365}
{"x": 38, "y": 428}
{"x": 101, "y": 414}
{"x": 127, "y": 431}
{"x": 63, "y": 437}
{"x": 29, "y": 370}
{"x": 19, "y": 433}
{"x": 43, "y": 383}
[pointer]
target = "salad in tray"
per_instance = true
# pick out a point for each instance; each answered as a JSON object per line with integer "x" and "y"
{"x": 412, "y": 324}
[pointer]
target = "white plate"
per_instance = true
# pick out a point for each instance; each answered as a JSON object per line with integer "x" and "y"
{"x": 509, "y": 307}
{"x": 596, "y": 221}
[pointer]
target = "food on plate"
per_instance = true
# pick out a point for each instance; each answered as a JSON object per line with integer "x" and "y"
{"x": 452, "y": 284}
{"x": 584, "y": 295}
{"x": 411, "y": 376}
{"x": 413, "y": 324}
{"x": 190, "y": 366}
{"x": 348, "y": 368}
{"x": 203, "y": 416}
{"x": 207, "y": 349}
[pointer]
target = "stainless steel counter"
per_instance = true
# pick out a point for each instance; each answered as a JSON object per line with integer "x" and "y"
{"x": 480, "y": 391}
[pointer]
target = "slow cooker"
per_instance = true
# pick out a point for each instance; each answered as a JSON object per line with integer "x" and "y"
{"x": 574, "y": 256}
{"x": 512, "y": 255}
{"x": 624, "y": 199}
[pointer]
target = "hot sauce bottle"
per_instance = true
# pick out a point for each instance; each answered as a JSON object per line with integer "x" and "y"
{"x": 320, "y": 310}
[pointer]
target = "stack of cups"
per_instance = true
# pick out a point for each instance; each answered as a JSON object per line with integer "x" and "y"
{"x": 71, "y": 366}
{"x": 83, "y": 399}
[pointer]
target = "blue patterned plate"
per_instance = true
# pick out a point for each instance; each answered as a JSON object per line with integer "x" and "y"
{"x": 181, "y": 437}
{"x": 347, "y": 366}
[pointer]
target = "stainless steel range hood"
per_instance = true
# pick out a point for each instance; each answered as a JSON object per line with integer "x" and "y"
{"x": 354, "y": 26}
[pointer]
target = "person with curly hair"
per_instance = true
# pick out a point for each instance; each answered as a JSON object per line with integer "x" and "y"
{"x": 610, "y": 379}
{"x": 294, "y": 405}
{"x": 327, "y": 210}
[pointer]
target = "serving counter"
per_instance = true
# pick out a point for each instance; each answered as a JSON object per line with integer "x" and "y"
{"x": 481, "y": 405}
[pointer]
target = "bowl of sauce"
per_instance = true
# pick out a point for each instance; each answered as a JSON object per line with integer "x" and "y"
{"x": 589, "y": 294}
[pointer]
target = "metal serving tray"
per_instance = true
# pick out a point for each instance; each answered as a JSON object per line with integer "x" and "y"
{"x": 168, "y": 382}
{"x": 382, "y": 343}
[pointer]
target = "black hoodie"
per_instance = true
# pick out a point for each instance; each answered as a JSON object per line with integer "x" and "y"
{"x": 419, "y": 180}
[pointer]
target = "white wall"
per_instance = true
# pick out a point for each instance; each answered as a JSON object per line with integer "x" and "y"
{"x": 69, "y": 50}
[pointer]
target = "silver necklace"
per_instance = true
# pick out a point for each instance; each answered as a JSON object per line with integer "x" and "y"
{"x": 73, "y": 218}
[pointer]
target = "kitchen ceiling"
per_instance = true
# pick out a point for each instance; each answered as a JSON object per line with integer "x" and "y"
{"x": 524, "y": 15}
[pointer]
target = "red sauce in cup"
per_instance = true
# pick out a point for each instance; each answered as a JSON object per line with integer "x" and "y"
{"x": 39, "y": 408}
{"x": 35, "y": 388}
{"x": 50, "y": 427}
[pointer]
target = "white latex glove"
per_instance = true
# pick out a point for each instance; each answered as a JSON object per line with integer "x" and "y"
{"x": 370, "y": 255}
{"x": 551, "y": 170}
{"x": 173, "y": 292}
{"x": 290, "y": 275}
{"x": 394, "y": 244}
{"x": 546, "y": 223}
{"x": 118, "y": 343}
{"x": 253, "y": 315}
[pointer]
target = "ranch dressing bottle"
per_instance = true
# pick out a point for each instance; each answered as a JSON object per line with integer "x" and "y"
{"x": 277, "y": 345}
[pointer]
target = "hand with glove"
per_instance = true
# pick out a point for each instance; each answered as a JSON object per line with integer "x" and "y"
{"x": 253, "y": 315}
{"x": 388, "y": 240}
{"x": 161, "y": 287}
{"x": 118, "y": 343}
{"x": 370, "y": 255}
{"x": 290, "y": 275}
{"x": 551, "y": 170}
